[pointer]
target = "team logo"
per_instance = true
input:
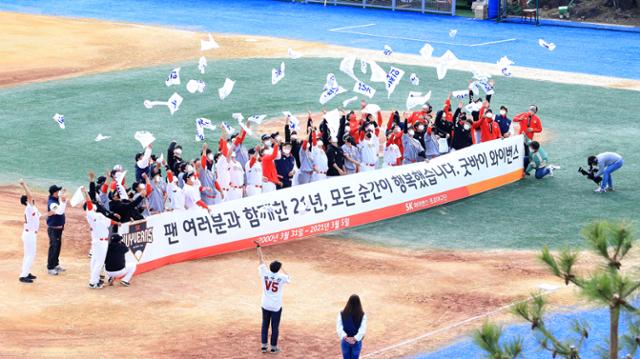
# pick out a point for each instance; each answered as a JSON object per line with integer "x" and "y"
{"x": 138, "y": 238}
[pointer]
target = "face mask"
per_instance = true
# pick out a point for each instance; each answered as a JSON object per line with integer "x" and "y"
{"x": 503, "y": 112}
{"x": 210, "y": 157}
{"x": 279, "y": 138}
{"x": 489, "y": 115}
{"x": 397, "y": 129}
{"x": 347, "y": 129}
{"x": 286, "y": 151}
{"x": 466, "y": 126}
{"x": 421, "y": 128}
{"x": 370, "y": 128}
{"x": 411, "y": 132}
{"x": 267, "y": 143}
{"x": 189, "y": 169}
{"x": 157, "y": 178}
{"x": 320, "y": 143}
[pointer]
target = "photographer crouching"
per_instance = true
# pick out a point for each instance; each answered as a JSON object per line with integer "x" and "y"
{"x": 601, "y": 167}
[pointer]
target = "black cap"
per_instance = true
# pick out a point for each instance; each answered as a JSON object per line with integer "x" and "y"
{"x": 53, "y": 189}
{"x": 24, "y": 199}
{"x": 265, "y": 137}
{"x": 101, "y": 180}
{"x": 115, "y": 238}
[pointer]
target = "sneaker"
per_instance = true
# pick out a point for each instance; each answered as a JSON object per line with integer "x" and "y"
{"x": 52, "y": 272}
{"x": 25, "y": 280}
{"x": 275, "y": 349}
{"x": 263, "y": 349}
{"x": 31, "y": 276}
{"x": 60, "y": 269}
{"x": 125, "y": 284}
{"x": 96, "y": 286}
{"x": 110, "y": 281}
{"x": 599, "y": 190}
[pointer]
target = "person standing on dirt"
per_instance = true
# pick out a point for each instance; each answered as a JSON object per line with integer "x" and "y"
{"x": 272, "y": 283}
{"x": 351, "y": 326}
{"x": 56, "y": 205}
{"x": 29, "y": 233}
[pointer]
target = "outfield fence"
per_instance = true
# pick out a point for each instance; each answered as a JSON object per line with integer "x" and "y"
{"x": 423, "y": 6}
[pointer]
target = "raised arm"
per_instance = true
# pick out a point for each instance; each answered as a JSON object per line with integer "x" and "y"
{"x": 260, "y": 255}
{"x": 27, "y": 191}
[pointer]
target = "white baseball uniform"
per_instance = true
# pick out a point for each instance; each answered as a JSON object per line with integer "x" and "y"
{"x": 254, "y": 178}
{"x": 191, "y": 195}
{"x": 176, "y": 195}
{"x": 320, "y": 164}
{"x": 391, "y": 155}
{"x": 369, "y": 153}
{"x": 99, "y": 242}
{"x": 236, "y": 180}
{"x": 29, "y": 234}
{"x": 224, "y": 177}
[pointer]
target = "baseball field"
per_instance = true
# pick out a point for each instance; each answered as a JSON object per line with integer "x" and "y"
{"x": 426, "y": 279}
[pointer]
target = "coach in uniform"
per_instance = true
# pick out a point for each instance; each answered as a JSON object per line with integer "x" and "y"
{"x": 56, "y": 205}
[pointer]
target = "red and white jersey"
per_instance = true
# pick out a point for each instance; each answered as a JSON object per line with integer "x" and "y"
{"x": 254, "y": 173}
{"x": 236, "y": 173}
{"x": 222, "y": 172}
{"x": 391, "y": 155}
{"x": 31, "y": 218}
{"x": 99, "y": 225}
{"x": 272, "y": 284}
{"x": 176, "y": 195}
{"x": 191, "y": 195}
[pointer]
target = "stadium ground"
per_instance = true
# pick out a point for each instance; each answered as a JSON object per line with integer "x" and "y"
{"x": 183, "y": 308}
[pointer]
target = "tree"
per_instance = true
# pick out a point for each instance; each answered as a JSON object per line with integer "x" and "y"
{"x": 606, "y": 285}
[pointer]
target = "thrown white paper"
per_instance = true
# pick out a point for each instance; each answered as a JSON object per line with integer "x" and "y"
{"x": 292, "y": 120}
{"x": 237, "y": 116}
{"x": 364, "y": 89}
{"x": 377, "y": 73}
{"x": 346, "y": 66}
{"x": 363, "y": 66}
{"x": 444, "y": 62}
{"x": 346, "y": 102}
{"x": 371, "y": 108}
{"x": 202, "y": 64}
{"x": 504, "y": 64}
{"x": 415, "y": 81}
{"x": 277, "y": 74}
{"x": 393, "y": 79}
{"x": 194, "y": 86}
{"x": 59, "y": 120}
{"x": 388, "y": 51}
{"x": 547, "y": 45}
{"x": 208, "y": 44}
{"x": 294, "y": 54}
{"x": 230, "y": 130}
{"x": 145, "y": 138}
{"x": 426, "y": 51}
{"x": 174, "y": 102}
{"x": 77, "y": 198}
{"x": 257, "y": 119}
{"x": 226, "y": 89}
{"x": 173, "y": 78}
{"x": 333, "y": 121}
{"x": 460, "y": 94}
{"x": 452, "y": 33}
{"x": 417, "y": 99}
{"x": 100, "y": 137}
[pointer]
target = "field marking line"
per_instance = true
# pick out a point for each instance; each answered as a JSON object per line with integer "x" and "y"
{"x": 339, "y": 29}
{"x": 348, "y": 30}
{"x": 451, "y": 326}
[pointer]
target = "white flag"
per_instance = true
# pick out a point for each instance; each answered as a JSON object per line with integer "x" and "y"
{"x": 346, "y": 66}
{"x": 100, "y": 137}
{"x": 237, "y": 116}
{"x": 119, "y": 177}
{"x": 547, "y": 45}
{"x": 145, "y": 138}
{"x": 377, "y": 73}
{"x": 416, "y": 99}
{"x": 245, "y": 128}
{"x": 226, "y": 89}
{"x": 199, "y": 134}
{"x": 393, "y": 79}
{"x": 388, "y": 51}
{"x": 452, "y": 33}
{"x": 208, "y": 44}
{"x": 294, "y": 54}
{"x": 333, "y": 121}
{"x": 194, "y": 86}
{"x": 473, "y": 107}
{"x": 292, "y": 120}
{"x": 415, "y": 81}
{"x": 59, "y": 120}
{"x": 202, "y": 64}
{"x": 257, "y": 119}
{"x": 77, "y": 198}
{"x": 201, "y": 124}
{"x": 485, "y": 86}
{"x": 364, "y": 89}
{"x": 426, "y": 51}
{"x": 371, "y": 109}
{"x": 504, "y": 64}
{"x": 173, "y": 78}
{"x": 363, "y": 66}
{"x": 329, "y": 94}
{"x": 230, "y": 130}
{"x": 460, "y": 95}
{"x": 277, "y": 74}
{"x": 174, "y": 102}
{"x": 444, "y": 62}
{"x": 346, "y": 102}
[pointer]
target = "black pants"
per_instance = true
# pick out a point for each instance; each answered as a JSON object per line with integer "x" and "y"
{"x": 55, "y": 244}
{"x": 274, "y": 318}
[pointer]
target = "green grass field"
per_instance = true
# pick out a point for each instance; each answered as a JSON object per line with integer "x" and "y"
{"x": 578, "y": 121}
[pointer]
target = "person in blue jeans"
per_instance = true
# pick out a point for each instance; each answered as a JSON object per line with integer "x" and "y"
{"x": 607, "y": 163}
{"x": 351, "y": 326}
{"x": 538, "y": 160}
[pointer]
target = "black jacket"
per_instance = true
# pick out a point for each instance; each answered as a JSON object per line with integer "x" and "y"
{"x": 115, "y": 259}
{"x": 127, "y": 209}
{"x": 335, "y": 155}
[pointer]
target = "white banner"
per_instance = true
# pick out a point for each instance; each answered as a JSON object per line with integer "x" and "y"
{"x": 332, "y": 204}
{"x": 364, "y": 89}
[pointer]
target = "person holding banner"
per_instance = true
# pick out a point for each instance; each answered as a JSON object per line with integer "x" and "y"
{"x": 272, "y": 284}
{"x": 100, "y": 226}
{"x": 29, "y": 233}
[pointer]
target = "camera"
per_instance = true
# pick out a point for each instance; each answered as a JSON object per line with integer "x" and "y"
{"x": 590, "y": 174}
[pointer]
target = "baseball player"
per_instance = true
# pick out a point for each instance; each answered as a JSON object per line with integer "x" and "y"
{"x": 99, "y": 240}
{"x": 191, "y": 191}
{"x": 29, "y": 233}
{"x": 272, "y": 284}
{"x": 175, "y": 193}
{"x": 236, "y": 176}
{"x": 116, "y": 265}
{"x": 253, "y": 169}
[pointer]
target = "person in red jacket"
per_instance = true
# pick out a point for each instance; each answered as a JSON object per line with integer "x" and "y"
{"x": 269, "y": 172}
{"x": 529, "y": 122}
{"x": 489, "y": 129}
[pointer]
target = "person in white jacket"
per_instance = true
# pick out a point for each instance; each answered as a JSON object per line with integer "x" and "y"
{"x": 351, "y": 326}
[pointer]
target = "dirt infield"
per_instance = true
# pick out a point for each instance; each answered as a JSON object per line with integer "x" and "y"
{"x": 210, "y": 307}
